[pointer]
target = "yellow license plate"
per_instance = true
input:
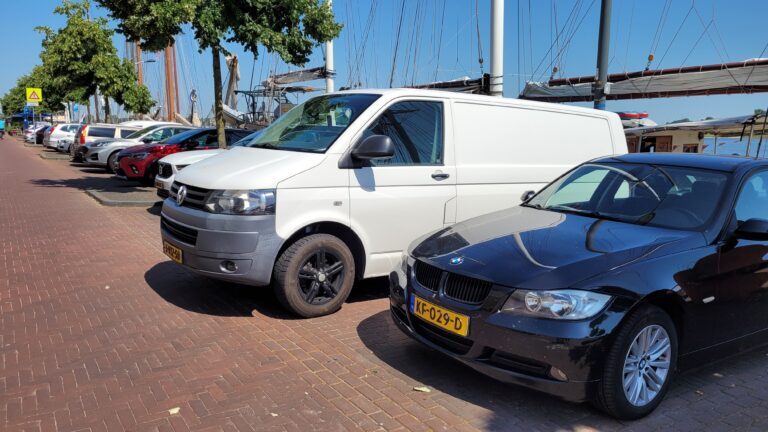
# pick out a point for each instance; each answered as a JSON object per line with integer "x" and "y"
{"x": 159, "y": 184}
{"x": 172, "y": 251}
{"x": 441, "y": 317}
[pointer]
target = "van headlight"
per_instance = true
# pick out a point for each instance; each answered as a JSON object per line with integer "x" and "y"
{"x": 242, "y": 202}
{"x": 557, "y": 304}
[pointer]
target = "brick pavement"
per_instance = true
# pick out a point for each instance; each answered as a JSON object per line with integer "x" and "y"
{"x": 98, "y": 331}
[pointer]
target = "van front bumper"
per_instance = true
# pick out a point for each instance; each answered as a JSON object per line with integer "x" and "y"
{"x": 209, "y": 242}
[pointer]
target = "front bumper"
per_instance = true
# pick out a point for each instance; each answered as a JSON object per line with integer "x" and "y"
{"x": 519, "y": 350}
{"x": 207, "y": 240}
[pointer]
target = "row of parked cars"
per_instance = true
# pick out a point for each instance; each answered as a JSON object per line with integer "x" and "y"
{"x": 518, "y": 237}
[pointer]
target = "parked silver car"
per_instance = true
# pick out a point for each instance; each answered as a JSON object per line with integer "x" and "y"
{"x": 103, "y": 153}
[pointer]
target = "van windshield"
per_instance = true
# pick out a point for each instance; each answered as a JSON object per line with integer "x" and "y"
{"x": 314, "y": 125}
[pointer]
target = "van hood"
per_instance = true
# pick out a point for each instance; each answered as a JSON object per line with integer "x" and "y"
{"x": 248, "y": 168}
{"x": 190, "y": 157}
{"x": 537, "y": 249}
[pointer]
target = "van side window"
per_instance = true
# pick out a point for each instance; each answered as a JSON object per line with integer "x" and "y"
{"x": 416, "y": 129}
{"x": 101, "y": 132}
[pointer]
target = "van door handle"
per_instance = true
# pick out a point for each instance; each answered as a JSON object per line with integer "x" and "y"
{"x": 439, "y": 175}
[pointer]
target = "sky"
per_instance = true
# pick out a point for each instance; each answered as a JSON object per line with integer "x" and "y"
{"x": 438, "y": 40}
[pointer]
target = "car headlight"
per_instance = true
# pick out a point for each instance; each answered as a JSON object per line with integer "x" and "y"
{"x": 242, "y": 202}
{"x": 140, "y": 156}
{"x": 100, "y": 144}
{"x": 557, "y": 304}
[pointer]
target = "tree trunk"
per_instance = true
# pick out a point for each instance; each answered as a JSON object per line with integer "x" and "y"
{"x": 218, "y": 104}
{"x": 107, "y": 112}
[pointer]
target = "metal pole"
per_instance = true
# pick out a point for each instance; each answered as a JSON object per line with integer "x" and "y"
{"x": 497, "y": 48}
{"x": 329, "y": 71}
{"x": 714, "y": 149}
{"x": 603, "y": 47}
{"x": 749, "y": 141}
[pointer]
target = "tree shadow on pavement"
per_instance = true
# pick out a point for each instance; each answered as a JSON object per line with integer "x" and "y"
{"x": 516, "y": 408}
{"x": 199, "y": 294}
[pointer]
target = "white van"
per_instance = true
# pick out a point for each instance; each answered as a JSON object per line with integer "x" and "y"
{"x": 335, "y": 189}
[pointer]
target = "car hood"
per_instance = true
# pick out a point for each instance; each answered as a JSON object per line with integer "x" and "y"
{"x": 190, "y": 157}
{"x": 140, "y": 148}
{"x": 537, "y": 249}
{"x": 248, "y": 168}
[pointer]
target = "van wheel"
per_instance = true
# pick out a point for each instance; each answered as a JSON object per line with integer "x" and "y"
{"x": 112, "y": 162}
{"x": 640, "y": 365}
{"x": 314, "y": 276}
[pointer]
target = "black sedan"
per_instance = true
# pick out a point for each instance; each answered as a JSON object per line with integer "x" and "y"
{"x": 604, "y": 284}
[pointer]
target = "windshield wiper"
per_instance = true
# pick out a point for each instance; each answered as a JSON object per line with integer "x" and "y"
{"x": 266, "y": 145}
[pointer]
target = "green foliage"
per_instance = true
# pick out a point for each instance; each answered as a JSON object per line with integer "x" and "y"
{"x": 82, "y": 59}
{"x": 759, "y": 111}
{"x": 15, "y": 99}
{"x": 682, "y": 120}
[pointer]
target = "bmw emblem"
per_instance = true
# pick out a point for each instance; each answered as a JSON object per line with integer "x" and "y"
{"x": 181, "y": 194}
{"x": 456, "y": 260}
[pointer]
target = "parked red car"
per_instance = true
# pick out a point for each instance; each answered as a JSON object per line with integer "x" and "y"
{"x": 140, "y": 162}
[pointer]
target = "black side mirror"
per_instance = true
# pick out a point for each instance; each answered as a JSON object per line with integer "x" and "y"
{"x": 753, "y": 229}
{"x": 527, "y": 195}
{"x": 146, "y": 140}
{"x": 374, "y": 147}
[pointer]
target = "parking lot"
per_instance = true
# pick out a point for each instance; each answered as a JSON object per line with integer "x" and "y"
{"x": 99, "y": 331}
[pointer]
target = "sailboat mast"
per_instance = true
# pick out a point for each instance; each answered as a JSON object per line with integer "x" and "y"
{"x": 329, "y": 71}
{"x": 139, "y": 66}
{"x": 497, "y": 48}
{"x": 170, "y": 90}
{"x": 603, "y": 43}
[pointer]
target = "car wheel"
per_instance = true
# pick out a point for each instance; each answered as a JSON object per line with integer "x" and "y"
{"x": 112, "y": 162}
{"x": 314, "y": 276}
{"x": 640, "y": 365}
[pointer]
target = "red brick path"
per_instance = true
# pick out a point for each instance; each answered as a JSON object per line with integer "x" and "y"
{"x": 98, "y": 331}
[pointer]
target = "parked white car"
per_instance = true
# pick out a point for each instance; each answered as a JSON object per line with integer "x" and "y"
{"x": 103, "y": 153}
{"x": 58, "y": 132}
{"x": 170, "y": 165}
{"x": 339, "y": 186}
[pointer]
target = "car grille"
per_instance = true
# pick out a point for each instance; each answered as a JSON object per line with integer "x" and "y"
{"x": 428, "y": 276}
{"x": 466, "y": 289}
{"x": 456, "y": 287}
{"x": 454, "y": 343}
{"x": 195, "y": 198}
{"x": 165, "y": 170}
{"x": 185, "y": 234}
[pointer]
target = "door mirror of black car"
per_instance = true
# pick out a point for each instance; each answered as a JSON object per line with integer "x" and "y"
{"x": 753, "y": 229}
{"x": 374, "y": 147}
{"x": 527, "y": 195}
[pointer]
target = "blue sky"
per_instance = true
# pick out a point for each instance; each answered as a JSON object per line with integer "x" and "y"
{"x": 446, "y": 47}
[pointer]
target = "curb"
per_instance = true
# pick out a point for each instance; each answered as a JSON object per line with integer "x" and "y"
{"x": 103, "y": 200}
{"x": 54, "y": 156}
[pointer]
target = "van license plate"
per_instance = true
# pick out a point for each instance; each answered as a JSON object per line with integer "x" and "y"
{"x": 441, "y": 317}
{"x": 172, "y": 251}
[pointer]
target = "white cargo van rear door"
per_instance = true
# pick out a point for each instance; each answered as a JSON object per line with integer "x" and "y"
{"x": 394, "y": 201}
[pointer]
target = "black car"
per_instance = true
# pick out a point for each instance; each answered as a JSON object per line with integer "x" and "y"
{"x": 604, "y": 284}
{"x": 40, "y": 134}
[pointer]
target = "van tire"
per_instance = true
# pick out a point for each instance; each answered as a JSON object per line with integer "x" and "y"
{"x": 286, "y": 281}
{"x": 611, "y": 397}
{"x": 111, "y": 161}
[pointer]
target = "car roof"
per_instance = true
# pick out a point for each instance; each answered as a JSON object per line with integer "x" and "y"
{"x": 689, "y": 160}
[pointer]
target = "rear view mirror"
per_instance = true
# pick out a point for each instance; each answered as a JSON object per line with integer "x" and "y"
{"x": 527, "y": 195}
{"x": 374, "y": 147}
{"x": 753, "y": 229}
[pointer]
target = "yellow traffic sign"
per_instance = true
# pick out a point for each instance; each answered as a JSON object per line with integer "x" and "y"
{"x": 34, "y": 94}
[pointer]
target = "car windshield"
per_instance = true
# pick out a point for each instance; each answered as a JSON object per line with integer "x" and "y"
{"x": 247, "y": 140}
{"x": 181, "y": 137}
{"x": 657, "y": 195}
{"x": 141, "y": 132}
{"x": 314, "y": 125}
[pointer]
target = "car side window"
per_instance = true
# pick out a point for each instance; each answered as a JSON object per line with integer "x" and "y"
{"x": 580, "y": 189}
{"x": 753, "y": 198}
{"x": 416, "y": 129}
{"x": 101, "y": 132}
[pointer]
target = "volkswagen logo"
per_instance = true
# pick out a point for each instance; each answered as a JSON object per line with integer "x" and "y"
{"x": 456, "y": 260}
{"x": 181, "y": 195}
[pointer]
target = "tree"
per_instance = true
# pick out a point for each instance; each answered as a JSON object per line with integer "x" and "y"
{"x": 682, "y": 120}
{"x": 290, "y": 28}
{"x": 83, "y": 60}
{"x": 759, "y": 111}
{"x": 16, "y": 98}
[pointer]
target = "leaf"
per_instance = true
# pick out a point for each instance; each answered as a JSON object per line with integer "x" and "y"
{"x": 422, "y": 389}
{"x": 174, "y": 411}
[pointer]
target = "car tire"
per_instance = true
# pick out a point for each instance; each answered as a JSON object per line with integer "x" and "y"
{"x": 112, "y": 162}
{"x": 312, "y": 263}
{"x": 616, "y": 398}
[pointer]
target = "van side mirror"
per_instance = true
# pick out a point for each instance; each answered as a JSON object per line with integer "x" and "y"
{"x": 527, "y": 195}
{"x": 753, "y": 229}
{"x": 374, "y": 147}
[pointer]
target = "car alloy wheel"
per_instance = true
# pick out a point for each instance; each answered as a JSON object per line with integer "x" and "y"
{"x": 321, "y": 277}
{"x": 646, "y": 365}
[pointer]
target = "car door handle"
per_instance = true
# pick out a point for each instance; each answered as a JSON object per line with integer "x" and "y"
{"x": 439, "y": 175}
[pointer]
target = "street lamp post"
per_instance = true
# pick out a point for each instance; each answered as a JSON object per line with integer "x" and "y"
{"x": 139, "y": 70}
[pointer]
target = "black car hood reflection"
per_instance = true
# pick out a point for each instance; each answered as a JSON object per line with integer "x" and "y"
{"x": 524, "y": 247}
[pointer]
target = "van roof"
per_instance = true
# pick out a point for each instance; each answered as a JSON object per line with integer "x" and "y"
{"x": 396, "y": 92}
